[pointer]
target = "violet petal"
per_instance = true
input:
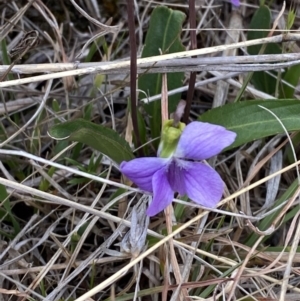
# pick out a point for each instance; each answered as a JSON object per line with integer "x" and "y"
{"x": 176, "y": 176}
{"x": 201, "y": 140}
{"x": 141, "y": 170}
{"x": 162, "y": 193}
{"x": 203, "y": 184}
{"x": 235, "y": 2}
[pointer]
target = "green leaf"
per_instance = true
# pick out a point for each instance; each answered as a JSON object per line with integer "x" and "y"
{"x": 97, "y": 136}
{"x": 78, "y": 181}
{"x": 259, "y": 25}
{"x": 291, "y": 76}
{"x": 291, "y": 18}
{"x": 44, "y": 184}
{"x": 5, "y": 57}
{"x": 252, "y": 122}
{"x": 259, "y": 28}
{"x": 6, "y": 211}
{"x": 163, "y": 36}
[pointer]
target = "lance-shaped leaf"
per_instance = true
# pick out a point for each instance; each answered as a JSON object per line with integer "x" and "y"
{"x": 260, "y": 25}
{"x": 163, "y": 37}
{"x": 96, "y": 136}
{"x": 251, "y": 122}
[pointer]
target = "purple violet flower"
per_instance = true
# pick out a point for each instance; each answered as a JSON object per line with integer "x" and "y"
{"x": 235, "y": 2}
{"x": 179, "y": 170}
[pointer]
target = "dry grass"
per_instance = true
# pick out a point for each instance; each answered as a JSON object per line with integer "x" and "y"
{"x": 63, "y": 234}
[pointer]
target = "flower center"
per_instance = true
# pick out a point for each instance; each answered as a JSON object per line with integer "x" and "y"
{"x": 170, "y": 135}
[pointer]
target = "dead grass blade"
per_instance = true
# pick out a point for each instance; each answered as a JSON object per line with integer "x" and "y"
{"x": 6, "y": 28}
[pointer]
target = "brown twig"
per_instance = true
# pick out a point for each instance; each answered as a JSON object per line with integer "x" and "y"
{"x": 133, "y": 73}
{"x": 190, "y": 94}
